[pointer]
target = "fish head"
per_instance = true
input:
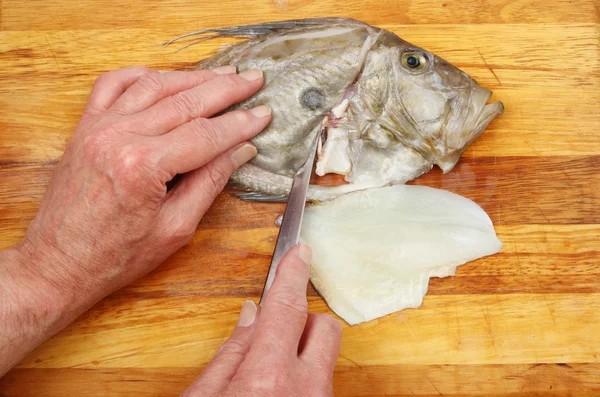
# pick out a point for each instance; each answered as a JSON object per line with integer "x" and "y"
{"x": 431, "y": 105}
{"x": 409, "y": 110}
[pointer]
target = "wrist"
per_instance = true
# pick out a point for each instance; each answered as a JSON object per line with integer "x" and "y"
{"x": 53, "y": 281}
{"x": 46, "y": 266}
{"x": 38, "y": 298}
{"x": 43, "y": 283}
{"x": 74, "y": 268}
{"x": 30, "y": 310}
{"x": 32, "y": 300}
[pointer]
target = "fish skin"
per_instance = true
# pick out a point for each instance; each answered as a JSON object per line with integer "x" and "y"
{"x": 400, "y": 123}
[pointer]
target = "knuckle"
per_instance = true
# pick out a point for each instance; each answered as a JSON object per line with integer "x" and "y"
{"x": 151, "y": 82}
{"x": 183, "y": 229}
{"x": 131, "y": 157}
{"x": 114, "y": 74}
{"x": 270, "y": 382}
{"x": 178, "y": 231}
{"x": 234, "y": 347}
{"x": 218, "y": 177}
{"x": 94, "y": 144}
{"x": 141, "y": 69}
{"x": 118, "y": 110}
{"x": 132, "y": 163}
{"x": 295, "y": 265}
{"x": 188, "y": 104}
{"x": 206, "y": 132}
{"x": 182, "y": 235}
{"x": 289, "y": 302}
{"x": 229, "y": 83}
{"x": 103, "y": 79}
{"x": 243, "y": 119}
{"x": 91, "y": 144}
{"x": 197, "y": 77}
{"x": 330, "y": 325}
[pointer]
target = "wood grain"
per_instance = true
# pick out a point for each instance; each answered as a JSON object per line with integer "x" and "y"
{"x": 524, "y": 322}
{"x": 185, "y": 331}
{"x": 516, "y": 380}
{"x": 500, "y": 185}
{"x": 90, "y": 14}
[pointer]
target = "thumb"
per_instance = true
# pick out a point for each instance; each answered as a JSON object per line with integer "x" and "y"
{"x": 229, "y": 357}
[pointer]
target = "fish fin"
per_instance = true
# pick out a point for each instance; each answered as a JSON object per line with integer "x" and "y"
{"x": 262, "y": 197}
{"x": 254, "y": 30}
{"x": 237, "y": 185}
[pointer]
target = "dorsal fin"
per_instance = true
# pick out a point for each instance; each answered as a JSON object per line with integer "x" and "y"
{"x": 255, "y": 30}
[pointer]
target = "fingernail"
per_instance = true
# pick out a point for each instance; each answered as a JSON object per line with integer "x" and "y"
{"x": 261, "y": 111}
{"x": 305, "y": 253}
{"x": 247, "y": 314}
{"x": 228, "y": 69}
{"x": 252, "y": 74}
{"x": 243, "y": 154}
{"x": 163, "y": 71}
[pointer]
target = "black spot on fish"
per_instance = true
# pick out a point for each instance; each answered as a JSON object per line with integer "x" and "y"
{"x": 312, "y": 98}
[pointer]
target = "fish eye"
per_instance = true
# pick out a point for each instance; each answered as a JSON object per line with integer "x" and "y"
{"x": 414, "y": 61}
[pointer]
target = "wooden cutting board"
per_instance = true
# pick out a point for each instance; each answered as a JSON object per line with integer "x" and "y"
{"x": 524, "y": 322}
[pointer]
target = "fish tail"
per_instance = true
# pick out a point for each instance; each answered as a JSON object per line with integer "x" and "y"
{"x": 251, "y": 183}
{"x": 315, "y": 193}
{"x": 262, "y": 198}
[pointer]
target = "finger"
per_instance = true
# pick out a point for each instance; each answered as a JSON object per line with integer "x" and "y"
{"x": 229, "y": 357}
{"x": 204, "y": 100}
{"x": 321, "y": 342}
{"x": 199, "y": 141}
{"x": 154, "y": 86}
{"x": 110, "y": 86}
{"x": 197, "y": 190}
{"x": 284, "y": 311}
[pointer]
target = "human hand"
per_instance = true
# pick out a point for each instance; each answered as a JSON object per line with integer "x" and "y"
{"x": 279, "y": 350}
{"x": 107, "y": 217}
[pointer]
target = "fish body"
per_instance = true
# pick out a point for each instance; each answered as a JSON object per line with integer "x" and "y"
{"x": 386, "y": 111}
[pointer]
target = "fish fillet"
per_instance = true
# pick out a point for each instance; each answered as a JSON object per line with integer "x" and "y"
{"x": 375, "y": 250}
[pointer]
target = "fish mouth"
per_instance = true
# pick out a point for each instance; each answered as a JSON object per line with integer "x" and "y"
{"x": 489, "y": 112}
{"x": 478, "y": 114}
{"x": 484, "y": 112}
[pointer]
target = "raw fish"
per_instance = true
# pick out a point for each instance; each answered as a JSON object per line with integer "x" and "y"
{"x": 375, "y": 250}
{"x": 403, "y": 110}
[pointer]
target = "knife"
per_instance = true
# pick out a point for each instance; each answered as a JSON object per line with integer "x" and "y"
{"x": 289, "y": 232}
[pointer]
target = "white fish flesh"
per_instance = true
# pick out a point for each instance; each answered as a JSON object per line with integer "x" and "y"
{"x": 375, "y": 250}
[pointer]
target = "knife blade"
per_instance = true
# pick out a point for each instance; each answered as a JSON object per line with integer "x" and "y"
{"x": 289, "y": 231}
